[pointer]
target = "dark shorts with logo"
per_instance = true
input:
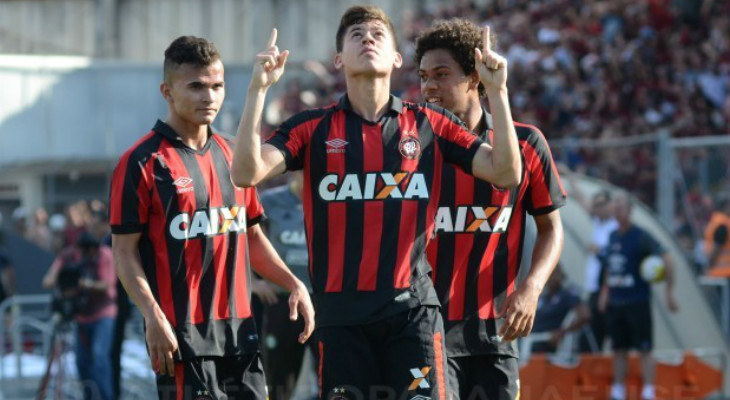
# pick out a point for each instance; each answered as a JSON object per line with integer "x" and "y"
{"x": 630, "y": 326}
{"x": 488, "y": 377}
{"x": 208, "y": 378}
{"x": 397, "y": 357}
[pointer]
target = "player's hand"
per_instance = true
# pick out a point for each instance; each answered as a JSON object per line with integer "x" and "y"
{"x": 491, "y": 66}
{"x": 269, "y": 64}
{"x": 300, "y": 303}
{"x": 161, "y": 343}
{"x": 518, "y": 311}
{"x": 265, "y": 292}
{"x": 672, "y": 304}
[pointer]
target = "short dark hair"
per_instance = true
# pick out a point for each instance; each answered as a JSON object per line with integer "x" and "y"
{"x": 359, "y": 14}
{"x": 457, "y": 35}
{"x": 191, "y": 50}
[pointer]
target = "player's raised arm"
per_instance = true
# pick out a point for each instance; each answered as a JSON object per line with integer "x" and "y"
{"x": 499, "y": 164}
{"x": 252, "y": 161}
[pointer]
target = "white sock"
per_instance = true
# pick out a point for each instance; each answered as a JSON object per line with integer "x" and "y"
{"x": 647, "y": 392}
{"x": 618, "y": 391}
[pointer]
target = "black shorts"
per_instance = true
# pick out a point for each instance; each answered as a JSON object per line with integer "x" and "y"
{"x": 208, "y": 378}
{"x": 630, "y": 326}
{"x": 401, "y": 356}
{"x": 484, "y": 377}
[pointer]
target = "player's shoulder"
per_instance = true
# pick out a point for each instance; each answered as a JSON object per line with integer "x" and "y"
{"x": 142, "y": 150}
{"x": 432, "y": 111}
{"x": 529, "y": 133}
{"x": 308, "y": 115}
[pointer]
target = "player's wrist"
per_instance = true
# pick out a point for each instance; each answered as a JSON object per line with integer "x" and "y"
{"x": 257, "y": 89}
{"x": 497, "y": 91}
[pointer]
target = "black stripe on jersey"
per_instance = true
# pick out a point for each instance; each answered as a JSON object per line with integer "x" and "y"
{"x": 136, "y": 163}
{"x": 391, "y": 208}
{"x": 483, "y": 197}
{"x": 318, "y": 168}
{"x": 202, "y": 201}
{"x": 354, "y": 164}
{"x": 228, "y": 196}
{"x": 426, "y": 137}
{"x": 175, "y": 248}
{"x": 446, "y": 243}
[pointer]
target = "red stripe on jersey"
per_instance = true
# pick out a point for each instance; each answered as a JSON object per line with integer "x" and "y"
{"x": 485, "y": 280}
{"x": 463, "y": 243}
{"x": 438, "y": 349}
{"x": 243, "y": 306}
{"x": 432, "y": 256}
{"x": 321, "y": 365}
{"x": 540, "y": 193}
{"x": 433, "y": 205}
{"x": 179, "y": 380}
{"x": 220, "y": 242}
{"x": 240, "y": 276}
{"x": 514, "y": 233}
{"x": 372, "y": 142}
{"x": 549, "y": 152}
{"x": 409, "y": 208}
{"x": 336, "y": 211}
{"x": 193, "y": 247}
{"x": 158, "y": 229}
{"x": 118, "y": 182}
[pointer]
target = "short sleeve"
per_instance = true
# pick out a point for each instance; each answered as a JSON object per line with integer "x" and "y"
{"x": 293, "y": 136}
{"x": 545, "y": 192}
{"x": 457, "y": 144}
{"x": 130, "y": 193}
{"x": 254, "y": 209}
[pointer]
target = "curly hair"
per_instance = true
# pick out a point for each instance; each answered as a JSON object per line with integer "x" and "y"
{"x": 458, "y": 36}
{"x": 192, "y": 50}
{"x": 359, "y": 14}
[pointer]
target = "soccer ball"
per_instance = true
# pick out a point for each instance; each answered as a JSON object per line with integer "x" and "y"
{"x": 652, "y": 269}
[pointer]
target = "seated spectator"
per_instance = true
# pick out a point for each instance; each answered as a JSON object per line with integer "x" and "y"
{"x": 556, "y": 302}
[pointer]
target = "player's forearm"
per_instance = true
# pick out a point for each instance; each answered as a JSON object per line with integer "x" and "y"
{"x": 130, "y": 273}
{"x": 669, "y": 273}
{"x": 505, "y": 154}
{"x": 248, "y": 166}
{"x": 266, "y": 261}
{"x": 548, "y": 247}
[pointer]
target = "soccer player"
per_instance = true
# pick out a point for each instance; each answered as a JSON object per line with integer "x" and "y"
{"x": 481, "y": 226}
{"x": 183, "y": 235}
{"x": 372, "y": 175}
{"x": 625, "y": 298}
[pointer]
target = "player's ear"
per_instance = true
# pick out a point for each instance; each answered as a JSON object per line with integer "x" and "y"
{"x": 398, "y": 61}
{"x": 474, "y": 80}
{"x": 338, "y": 61}
{"x": 165, "y": 91}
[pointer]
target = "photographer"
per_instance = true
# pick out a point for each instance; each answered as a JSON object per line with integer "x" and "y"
{"x": 85, "y": 287}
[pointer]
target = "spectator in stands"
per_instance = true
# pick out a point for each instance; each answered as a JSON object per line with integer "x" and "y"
{"x": 604, "y": 223}
{"x": 556, "y": 302}
{"x": 95, "y": 297}
{"x": 625, "y": 296}
{"x": 38, "y": 231}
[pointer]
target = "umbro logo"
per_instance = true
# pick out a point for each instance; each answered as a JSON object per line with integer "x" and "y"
{"x": 183, "y": 184}
{"x": 336, "y": 145}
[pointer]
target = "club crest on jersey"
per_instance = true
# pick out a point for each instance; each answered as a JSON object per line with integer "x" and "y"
{"x": 410, "y": 147}
{"x": 374, "y": 186}
{"x": 336, "y": 145}
{"x": 472, "y": 219}
{"x": 212, "y": 222}
{"x": 183, "y": 184}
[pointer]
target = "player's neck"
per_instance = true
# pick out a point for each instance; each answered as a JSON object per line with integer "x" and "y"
{"x": 369, "y": 97}
{"x": 192, "y": 135}
{"x": 473, "y": 116}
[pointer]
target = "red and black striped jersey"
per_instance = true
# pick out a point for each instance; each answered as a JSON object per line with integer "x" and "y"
{"x": 478, "y": 248}
{"x": 370, "y": 197}
{"x": 193, "y": 245}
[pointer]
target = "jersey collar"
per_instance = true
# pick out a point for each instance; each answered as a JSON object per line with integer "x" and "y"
{"x": 169, "y": 133}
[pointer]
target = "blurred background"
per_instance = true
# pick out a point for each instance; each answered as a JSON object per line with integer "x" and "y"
{"x": 631, "y": 94}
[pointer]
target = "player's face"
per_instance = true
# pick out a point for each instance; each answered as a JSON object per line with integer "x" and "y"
{"x": 443, "y": 81}
{"x": 368, "y": 48}
{"x": 195, "y": 94}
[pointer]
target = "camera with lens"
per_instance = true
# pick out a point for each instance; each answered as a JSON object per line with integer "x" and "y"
{"x": 69, "y": 298}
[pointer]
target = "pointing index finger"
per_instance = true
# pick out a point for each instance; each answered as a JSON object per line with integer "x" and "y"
{"x": 272, "y": 39}
{"x": 486, "y": 39}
